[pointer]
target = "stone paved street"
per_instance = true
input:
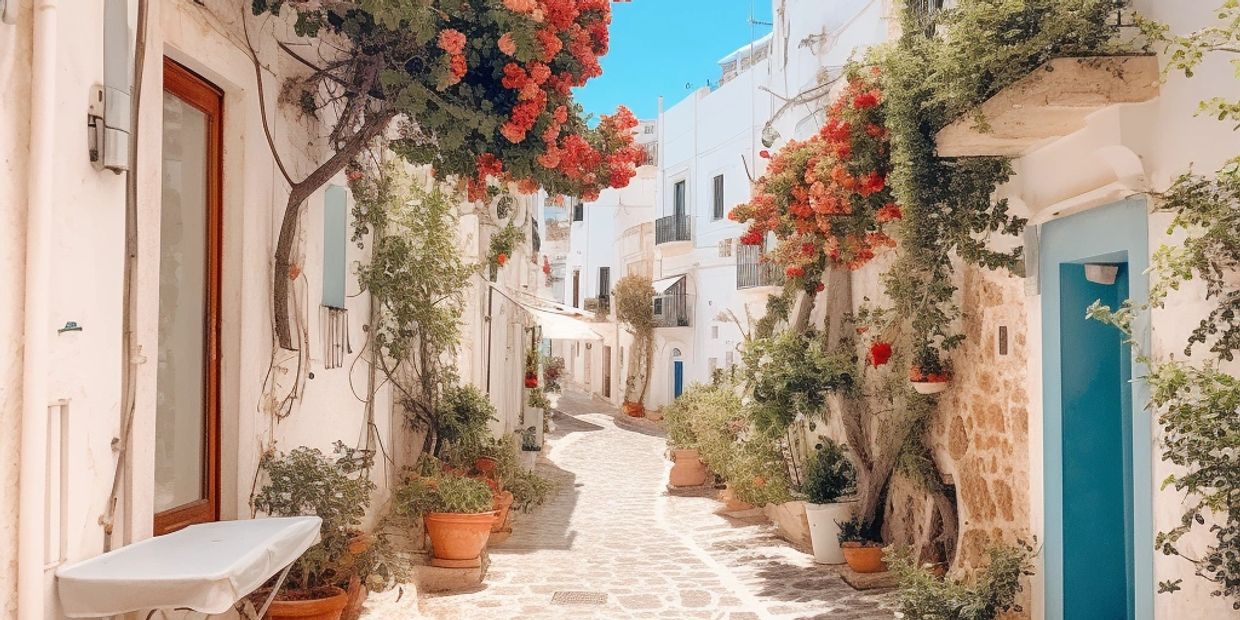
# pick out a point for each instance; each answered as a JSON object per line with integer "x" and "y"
{"x": 614, "y": 531}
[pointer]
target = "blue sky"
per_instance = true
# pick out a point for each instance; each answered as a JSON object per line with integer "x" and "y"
{"x": 658, "y": 46}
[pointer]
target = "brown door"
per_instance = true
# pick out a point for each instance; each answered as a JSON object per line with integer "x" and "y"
{"x": 187, "y": 406}
{"x": 606, "y": 371}
{"x": 576, "y": 288}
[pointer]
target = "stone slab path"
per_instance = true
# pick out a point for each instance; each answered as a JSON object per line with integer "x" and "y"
{"x": 613, "y": 544}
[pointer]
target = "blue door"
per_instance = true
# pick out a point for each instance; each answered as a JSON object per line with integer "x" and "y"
{"x": 678, "y": 378}
{"x": 1096, "y": 432}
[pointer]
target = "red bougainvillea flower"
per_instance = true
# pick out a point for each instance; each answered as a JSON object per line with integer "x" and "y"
{"x": 873, "y": 183}
{"x": 794, "y": 271}
{"x": 451, "y": 41}
{"x": 501, "y": 259}
{"x": 507, "y": 44}
{"x": 866, "y": 100}
{"x": 521, "y": 6}
{"x": 880, "y": 353}
{"x": 458, "y": 65}
{"x": 764, "y": 154}
{"x": 820, "y": 288}
{"x": 889, "y": 213}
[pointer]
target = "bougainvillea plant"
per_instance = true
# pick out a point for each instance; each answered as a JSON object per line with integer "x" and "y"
{"x": 481, "y": 91}
{"x": 826, "y": 198}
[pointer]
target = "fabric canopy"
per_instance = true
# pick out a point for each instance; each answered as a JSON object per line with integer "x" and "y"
{"x": 206, "y": 568}
{"x": 661, "y": 286}
{"x": 563, "y": 327}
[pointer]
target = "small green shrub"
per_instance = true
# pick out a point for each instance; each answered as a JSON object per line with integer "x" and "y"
{"x": 464, "y": 412}
{"x": 829, "y": 475}
{"x": 992, "y": 590}
{"x": 855, "y": 530}
{"x": 443, "y": 492}
{"x": 307, "y": 482}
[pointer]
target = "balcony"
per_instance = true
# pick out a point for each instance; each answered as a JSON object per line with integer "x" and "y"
{"x": 753, "y": 272}
{"x": 1051, "y": 102}
{"x": 600, "y": 306}
{"x": 672, "y": 229}
{"x": 673, "y": 310}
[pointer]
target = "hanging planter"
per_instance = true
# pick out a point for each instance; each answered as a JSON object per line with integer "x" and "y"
{"x": 929, "y": 374}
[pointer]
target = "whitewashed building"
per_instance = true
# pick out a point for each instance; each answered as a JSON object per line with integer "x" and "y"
{"x": 180, "y": 417}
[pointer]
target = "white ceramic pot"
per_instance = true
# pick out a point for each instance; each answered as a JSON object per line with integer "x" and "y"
{"x": 824, "y": 532}
{"x": 928, "y": 387}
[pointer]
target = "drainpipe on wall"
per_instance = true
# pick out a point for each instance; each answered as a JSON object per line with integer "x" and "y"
{"x": 35, "y": 397}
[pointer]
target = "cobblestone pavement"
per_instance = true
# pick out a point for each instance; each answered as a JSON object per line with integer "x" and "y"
{"x": 614, "y": 534}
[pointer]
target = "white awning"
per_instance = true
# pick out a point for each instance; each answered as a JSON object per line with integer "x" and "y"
{"x": 661, "y": 286}
{"x": 563, "y": 327}
{"x": 206, "y": 568}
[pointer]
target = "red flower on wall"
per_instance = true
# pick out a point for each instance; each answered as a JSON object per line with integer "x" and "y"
{"x": 880, "y": 353}
{"x": 501, "y": 259}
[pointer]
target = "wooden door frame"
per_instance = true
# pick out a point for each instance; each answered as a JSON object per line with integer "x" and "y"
{"x": 204, "y": 96}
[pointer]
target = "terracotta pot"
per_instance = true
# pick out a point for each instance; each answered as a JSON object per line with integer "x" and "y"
{"x": 864, "y": 559}
{"x": 459, "y": 537}
{"x": 503, "y": 503}
{"x": 688, "y": 471}
{"x": 360, "y": 543}
{"x": 485, "y": 464}
{"x": 730, "y": 503}
{"x": 329, "y": 608}
{"x": 634, "y": 410}
{"x": 357, "y": 597}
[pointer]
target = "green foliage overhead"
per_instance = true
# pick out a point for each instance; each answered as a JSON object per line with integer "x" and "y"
{"x": 790, "y": 374}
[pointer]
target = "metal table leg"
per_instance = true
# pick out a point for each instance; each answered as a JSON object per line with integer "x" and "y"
{"x": 274, "y": 590}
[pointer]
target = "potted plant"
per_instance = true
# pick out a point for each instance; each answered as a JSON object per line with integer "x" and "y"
{"x": 531, "y": 369}
{"x": 929, "y": 374}
{"x": 829, "y": 480}
{"x": 458, "y": 512}
{"x": 529, "y": 448}
{"x": 863, "y": 553}
{"x": 306, "y": 482}
{"x": 688, "y": 470}
{"x": 553, "y": 371}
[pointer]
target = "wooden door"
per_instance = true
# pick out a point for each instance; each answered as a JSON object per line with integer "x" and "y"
{"x": 188, "y": 377}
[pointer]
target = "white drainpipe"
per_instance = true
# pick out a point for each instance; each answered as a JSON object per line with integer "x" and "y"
{"x": 35, "y": 393}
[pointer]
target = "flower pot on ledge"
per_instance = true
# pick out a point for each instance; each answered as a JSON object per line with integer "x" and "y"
{"x": 688, "y": 470}
{"x": 928, "y": 383}
{"x": 864, "y": 557}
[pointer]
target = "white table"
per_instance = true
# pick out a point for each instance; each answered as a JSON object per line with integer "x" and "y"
{"x": 207, "y": 568}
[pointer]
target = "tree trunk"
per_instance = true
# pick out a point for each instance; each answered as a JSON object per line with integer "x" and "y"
{"x": 375, "y": 124}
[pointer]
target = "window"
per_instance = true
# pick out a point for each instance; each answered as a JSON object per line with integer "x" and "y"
{"x": 678, "y": 199}
{"x": 187, "y": 383}
{"x": 335, "y": 226}
{"x": 717, "y": 195}
{"x": 579, "y": 212}
{"x": 728, "y": 359}
{"x": 714, "y": 332}
{"x": 712, "y": 365}
{"x": 604, "y": 282}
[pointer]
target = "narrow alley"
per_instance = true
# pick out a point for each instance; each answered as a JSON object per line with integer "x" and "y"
{"x": 613, "y": 544}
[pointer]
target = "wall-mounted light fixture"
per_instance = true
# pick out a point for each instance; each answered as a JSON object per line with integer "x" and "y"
{"x": 108, "y": 111}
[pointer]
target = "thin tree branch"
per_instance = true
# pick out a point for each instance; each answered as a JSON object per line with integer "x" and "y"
{"x": 262, "y": 100}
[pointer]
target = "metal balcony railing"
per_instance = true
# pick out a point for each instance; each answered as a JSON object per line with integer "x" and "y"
{"x": 752, "y": 271}
{"x": 673, "y": 310}
{"x": 672, "y": 228}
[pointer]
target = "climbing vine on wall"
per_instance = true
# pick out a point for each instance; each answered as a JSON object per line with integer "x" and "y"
{"x": 1197, "y": 403}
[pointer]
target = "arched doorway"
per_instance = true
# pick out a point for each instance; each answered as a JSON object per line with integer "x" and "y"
{"x": 678, "y": 374}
